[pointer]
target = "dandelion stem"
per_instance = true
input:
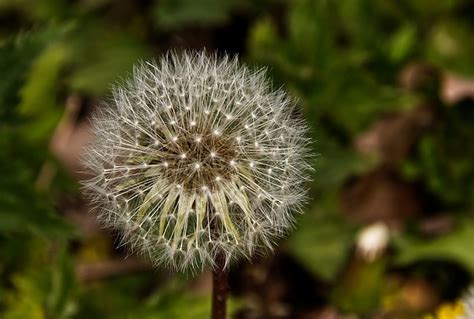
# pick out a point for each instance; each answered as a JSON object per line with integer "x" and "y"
{"x": 219, "y": 290}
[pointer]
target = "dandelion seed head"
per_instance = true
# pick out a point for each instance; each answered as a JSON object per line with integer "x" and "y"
{"x": 190, "y": 161}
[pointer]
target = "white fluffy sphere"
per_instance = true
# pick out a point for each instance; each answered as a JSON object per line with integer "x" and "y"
{"x": 196, "y": 158}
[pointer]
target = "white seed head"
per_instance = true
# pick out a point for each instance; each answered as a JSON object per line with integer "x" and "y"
{"x": 191, "y": 157}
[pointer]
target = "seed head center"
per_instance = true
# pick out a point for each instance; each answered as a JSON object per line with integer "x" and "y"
{"x": 197, "y": 161}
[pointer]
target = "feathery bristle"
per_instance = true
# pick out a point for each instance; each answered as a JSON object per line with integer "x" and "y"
{"x": 196, "y": 156}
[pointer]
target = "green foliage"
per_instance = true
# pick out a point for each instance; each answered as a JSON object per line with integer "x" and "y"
{"x": 455, "y": 247}
{"x": 343, "y": 60}
{"x": 15, "y": 60}
{"x": 334, "y": 81}
{"x": 322, "y": 243}
{"x": 450, "y": 46}
{"x": 100, "y": 58}
{"x": 443, "y": 162}
{"x": 335, "y": 164}
{"x": 174, "y": 14}
{"x": 125, "y": 298}
{"x": 362, "y": 288}
{"x": 402, "y": 42}
{"x": 39, "y": 95}
{"x": 169, "y": 303}
{"x": 44, "y": 286}
{"x": 22, "y": 208}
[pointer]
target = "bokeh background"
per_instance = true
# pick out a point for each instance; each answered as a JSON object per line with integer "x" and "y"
{"x": 387, "y": 87}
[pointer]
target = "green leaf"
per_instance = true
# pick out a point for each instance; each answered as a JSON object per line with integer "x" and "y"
{"x": 361, "y": 289}
{"x": 321, "y": 243}
{"x": 455, "y": 246}
{"x": 39, "y": 96}
{"x": 16, "y": 56}
{"x": 103, "y": 60}
{"x": 402, "y": 43}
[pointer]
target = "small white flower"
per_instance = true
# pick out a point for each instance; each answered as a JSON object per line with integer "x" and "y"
{"x": 200, "y": 150}
{"x": 373, "y": 240}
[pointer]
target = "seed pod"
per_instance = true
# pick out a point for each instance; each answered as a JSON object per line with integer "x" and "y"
{"x": 197, "y": 157}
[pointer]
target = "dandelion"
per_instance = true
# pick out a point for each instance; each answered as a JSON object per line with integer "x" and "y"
{"x": 198, "y": 162}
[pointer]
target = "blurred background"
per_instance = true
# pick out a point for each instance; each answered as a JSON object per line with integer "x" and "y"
{"x": 387, "y": 87}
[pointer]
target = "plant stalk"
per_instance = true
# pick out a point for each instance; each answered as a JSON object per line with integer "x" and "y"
{"x": 219, "y": 290}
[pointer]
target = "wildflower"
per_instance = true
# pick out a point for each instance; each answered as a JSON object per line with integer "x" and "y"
{"x": 373, "y": 240}
{"x": 460, "y": 309}
{"x": 196, "y": 159}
